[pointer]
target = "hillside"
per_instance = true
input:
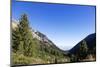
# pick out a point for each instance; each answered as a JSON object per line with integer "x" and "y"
{"x": 91, "y": 47}
{"x": 44, "y": 50}
{"x": 14, "y": 24}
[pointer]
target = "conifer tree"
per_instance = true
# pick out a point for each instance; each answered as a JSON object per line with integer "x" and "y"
{"x": 22, "y": 37}
{"x": 15, "y": 39}
{"x": 26, "y": 36}
{"x": 83, "y": 49}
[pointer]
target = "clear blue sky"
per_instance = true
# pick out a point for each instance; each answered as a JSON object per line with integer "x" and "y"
{"x": 65, "y": 25}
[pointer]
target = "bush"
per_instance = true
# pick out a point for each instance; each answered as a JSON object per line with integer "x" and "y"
{"x": 21, "y": 59}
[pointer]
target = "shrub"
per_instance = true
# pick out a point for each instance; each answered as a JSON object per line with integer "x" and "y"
{"x": 21, "y": 59}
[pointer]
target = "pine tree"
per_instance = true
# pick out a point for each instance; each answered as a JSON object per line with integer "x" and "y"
{"x": 22, "y": 37}
{"x": 17, "y": 43}
{"x": 83, "y": 49}
{"x": 15, "y": 39}
{"x": 26, "y": 36}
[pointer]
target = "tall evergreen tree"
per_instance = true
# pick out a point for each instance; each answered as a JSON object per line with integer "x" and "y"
{"x": 15, "y": 39}
{"x": 22, "y": 37}
{"x": 83, "y": 49}
{"x": 26, "y": 36}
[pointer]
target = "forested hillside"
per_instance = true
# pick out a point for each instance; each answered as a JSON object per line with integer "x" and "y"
{"x": 30, "y": 47}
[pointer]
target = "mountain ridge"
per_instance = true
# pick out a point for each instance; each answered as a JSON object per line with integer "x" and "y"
{"x": 87, "y": 38}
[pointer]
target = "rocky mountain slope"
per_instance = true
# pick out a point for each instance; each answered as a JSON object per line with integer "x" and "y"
{"x": 45, "y": 51}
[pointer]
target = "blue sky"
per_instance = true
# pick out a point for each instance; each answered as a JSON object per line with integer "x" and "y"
{"x": 65, "y": 25}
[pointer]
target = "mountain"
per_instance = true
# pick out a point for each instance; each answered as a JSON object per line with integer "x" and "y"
{"x": 45, "y": 51}
{"x": 36, "y": 34}
{"x": 41, "y": 50}
{"x": 89, "y": 48}
{"x": 14, "y": 24}
{"x": 91, "y": 42}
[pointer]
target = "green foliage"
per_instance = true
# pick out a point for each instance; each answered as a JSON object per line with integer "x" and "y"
{"x": 20, "y": 47}
{"x": 21, "y": 59}
{"x": 15, "y": 39}
{"x": 26, "y": 35}
{"x": 83, "y": 50}
{"x": 22, "y": 37}
{"x": 73, "y": 58}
